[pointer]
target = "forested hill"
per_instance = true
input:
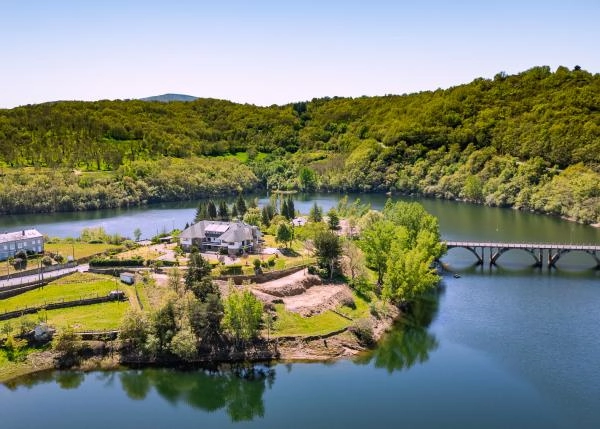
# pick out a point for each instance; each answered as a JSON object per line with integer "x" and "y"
{"x": 530, "y": 140}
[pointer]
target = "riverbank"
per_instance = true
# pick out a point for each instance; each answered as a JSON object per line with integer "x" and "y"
{"x": 342, "y": 344}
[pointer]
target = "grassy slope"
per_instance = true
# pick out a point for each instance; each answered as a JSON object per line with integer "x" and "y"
{"x": 292, "y": 324}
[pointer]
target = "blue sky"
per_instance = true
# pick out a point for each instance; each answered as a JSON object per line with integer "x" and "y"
{"x": 275, "y": 52}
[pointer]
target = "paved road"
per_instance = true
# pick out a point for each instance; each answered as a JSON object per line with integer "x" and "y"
{"x": 46, "y": 276}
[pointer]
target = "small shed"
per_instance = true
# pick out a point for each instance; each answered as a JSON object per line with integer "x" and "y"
{"x": 117, "y": 295}
{"x": 127, "y": 278}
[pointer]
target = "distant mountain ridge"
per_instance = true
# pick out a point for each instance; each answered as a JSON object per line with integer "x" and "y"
{"x": 165, "y": 98}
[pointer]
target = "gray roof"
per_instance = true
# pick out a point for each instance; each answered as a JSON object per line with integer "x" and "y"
{"x": 230, "y": 231}
{"x": 238, "y": 232}
{"x": 25, "y": 234}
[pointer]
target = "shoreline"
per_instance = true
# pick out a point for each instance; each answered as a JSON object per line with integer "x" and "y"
{"x": 146, "y": 204}
{"x": 329, "y": 347}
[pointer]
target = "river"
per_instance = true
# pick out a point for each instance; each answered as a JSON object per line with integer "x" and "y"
{"x": 509, "y": 346}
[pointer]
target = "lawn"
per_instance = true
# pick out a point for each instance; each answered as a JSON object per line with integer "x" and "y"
{"x": 96, "y": 317}
{"x": 292, "y": 324}
{"x": 69, "y": 288}
{"x": 79, "y": 250}
{"x": 362, "y": 308}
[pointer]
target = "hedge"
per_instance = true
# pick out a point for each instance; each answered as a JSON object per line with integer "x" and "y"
{"x": 98, "y": 262}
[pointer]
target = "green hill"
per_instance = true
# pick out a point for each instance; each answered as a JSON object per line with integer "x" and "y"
{"x": 170, "y": 97}
{"x": 530, "y": 140}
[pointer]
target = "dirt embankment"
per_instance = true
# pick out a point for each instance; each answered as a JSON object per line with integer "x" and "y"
{"x": 303, "y": 293}
{"x": 307, "y": 295}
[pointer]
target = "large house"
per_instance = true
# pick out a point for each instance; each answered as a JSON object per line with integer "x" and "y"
{"x": 224, "y": 237}
{"x": 29, "y": 240}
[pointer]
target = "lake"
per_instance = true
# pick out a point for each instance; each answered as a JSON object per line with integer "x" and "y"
{"x": 506, "y": 346}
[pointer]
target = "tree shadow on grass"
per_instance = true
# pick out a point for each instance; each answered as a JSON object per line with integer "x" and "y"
{"x": 289, "y": 253}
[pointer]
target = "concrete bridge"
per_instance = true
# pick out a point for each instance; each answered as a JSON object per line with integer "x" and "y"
{"x": 552, "y": 251}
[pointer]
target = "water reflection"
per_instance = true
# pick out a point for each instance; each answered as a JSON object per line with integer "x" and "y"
{"x": 410, "y": 342}
{"x": 239, "y": 391}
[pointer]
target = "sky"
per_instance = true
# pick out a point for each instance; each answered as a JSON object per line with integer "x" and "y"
{"x": 277, "y": 51}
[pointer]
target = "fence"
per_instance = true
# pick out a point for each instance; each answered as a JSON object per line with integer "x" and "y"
{"x": 38, "y": 271}
{"x": 261, "y": 278}
{"x": 57, "y": 305}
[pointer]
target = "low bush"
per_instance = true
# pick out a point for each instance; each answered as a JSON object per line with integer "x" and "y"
{"x": 363, "y": 330}
{"x": 348, "y": 301}
{"x": 231, "y": 270}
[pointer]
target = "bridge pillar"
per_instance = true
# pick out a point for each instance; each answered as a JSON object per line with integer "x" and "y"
{"x": 540, "y": 258}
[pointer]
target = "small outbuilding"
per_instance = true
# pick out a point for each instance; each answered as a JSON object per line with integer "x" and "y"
{"x": 127, "y": 278}
{"x": 117, "y": 295}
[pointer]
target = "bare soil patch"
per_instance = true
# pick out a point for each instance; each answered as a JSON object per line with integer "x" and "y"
{"x": 303, "y": 293}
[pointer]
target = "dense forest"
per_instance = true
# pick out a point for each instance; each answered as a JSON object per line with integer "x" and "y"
{"x": 530, "y": 141}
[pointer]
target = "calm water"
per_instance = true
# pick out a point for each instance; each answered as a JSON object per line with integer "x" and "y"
{"x": 511, "y": 346}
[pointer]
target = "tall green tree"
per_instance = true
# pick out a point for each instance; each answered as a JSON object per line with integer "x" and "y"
{"x": 409, "y": 273}
{"x": 240, "y": 205}
{"x": 223, "y": 211}
{"x": 211, "y": 210}
{"x": 328, "y": 250}
{"x": 285, "y": 233}
{"x": 333, "y": 219}
{"x": 253, "y": 216}
{"x": 201, "y": 212}
{"x": 376, "y": 241}
{"x": 316, "y": 213}
{"x": 197, "y": 277}
{"x": 242, "y": 314}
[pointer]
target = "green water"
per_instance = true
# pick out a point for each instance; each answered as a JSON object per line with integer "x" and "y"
{"x": 506, "y": 347}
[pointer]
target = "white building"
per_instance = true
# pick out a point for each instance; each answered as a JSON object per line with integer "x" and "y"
{"x": 29, "y": 240}
{"x": 230, "y": 237}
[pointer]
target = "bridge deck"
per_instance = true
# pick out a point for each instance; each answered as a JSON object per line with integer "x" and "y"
{"x": 544, "y": 246}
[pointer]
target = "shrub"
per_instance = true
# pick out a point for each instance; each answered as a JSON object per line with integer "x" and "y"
{"x": 133, "y": 262}
{"x": 60, "y": 259}
{"x": 363, "y": 330}
{"x": 47, "y": 261}
{"x": 361, "y": 286}
{"x": 378, "y": 309}
{"x": 231, "y": 270}
{"x": 19, "y": 263}
{"x": 14, "y": 349}
{"x": 348, "y": 301}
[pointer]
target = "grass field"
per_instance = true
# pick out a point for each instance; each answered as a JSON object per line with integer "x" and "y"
{"x": 96, "y": 317}
{"x": 69, "y": 288}
{"x": 78, "y": 250}
{"x": 289, "y": 323}
{"x": 145, "y": 252}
